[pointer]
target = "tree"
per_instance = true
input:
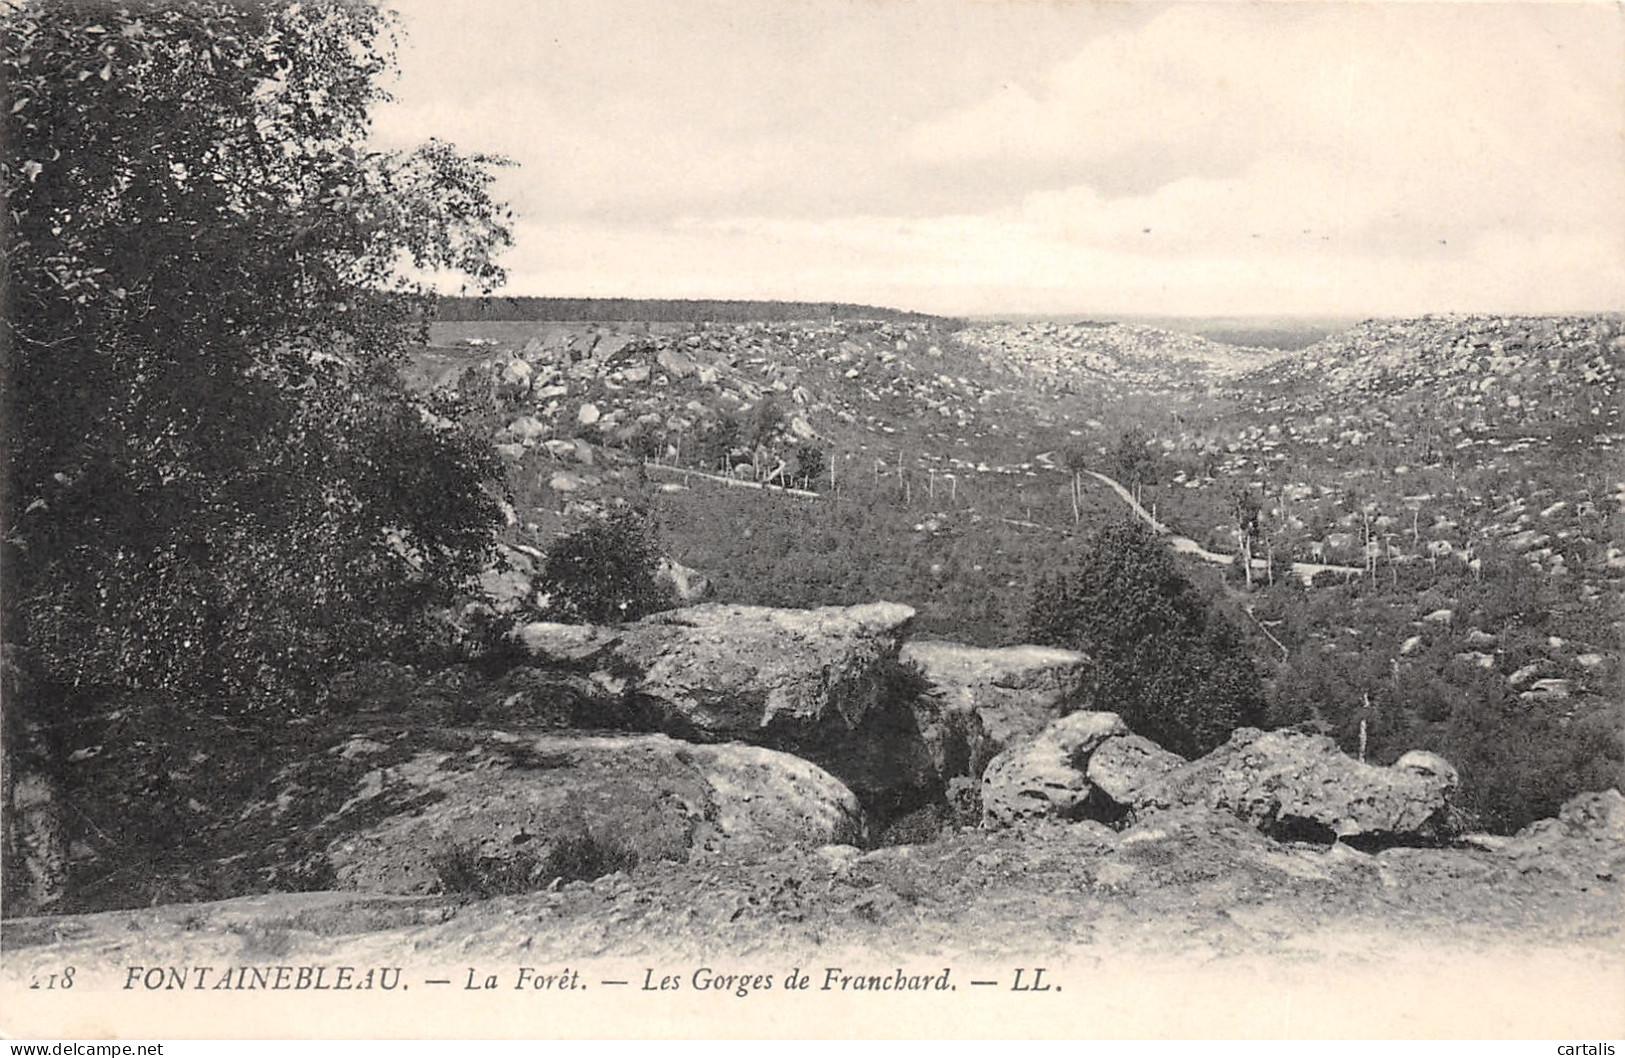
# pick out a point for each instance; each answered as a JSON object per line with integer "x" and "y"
{"x": 1170, "y": 664}
{"x": 1076, "y": 458}
{"x": 1245, "y": 509}
{"x": 215, "y": 481}
{"x": 605, "y": 570}
{"x": 715, "y": 442}
{"x": 810, "y": 463}
{"x": 1132, "y": 461}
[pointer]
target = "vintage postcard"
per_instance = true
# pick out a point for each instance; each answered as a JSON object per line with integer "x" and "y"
{"x": 827, "y": 519}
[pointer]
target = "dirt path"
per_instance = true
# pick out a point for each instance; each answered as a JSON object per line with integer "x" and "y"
{"x": 1184, "y": 545}
{"x": 1191, "y": 926}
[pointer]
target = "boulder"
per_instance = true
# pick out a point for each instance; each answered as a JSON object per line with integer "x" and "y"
{"x": 1120, "y": 767}
{"x": 1292, "y": 784}
{"x": 508, "y": 811}
{"x": 1016, "y": 691}
{"x": 1045, "y": 778}
{"x": 1430, "y": 765}
{"x": 506, "y": 589}
{"x": 1585, "y": 842}
{"x": 516, "y": 373}
{"x": 675, "y": 363}
{"x": 527, "y": 428}
{"x": 825, "y": 684}
{"x": 686, "y": 583}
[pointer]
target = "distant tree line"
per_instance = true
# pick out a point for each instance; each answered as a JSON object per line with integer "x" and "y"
{"x": 658, "y": 310}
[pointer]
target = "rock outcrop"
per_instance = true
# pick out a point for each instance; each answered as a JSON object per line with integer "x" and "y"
{"x": 1044, "y": 778}
{"x": 1296, "y": 785}
{"x": 1585, "y": 842}
{"x": 825, "y": 684}
{"x": 1120, "y": 767}
{"x": 1288, "y": 784}
{"x": 684, "y": 582}
{"x": 1015, "y": 691}
{"x": 501, "y": 812}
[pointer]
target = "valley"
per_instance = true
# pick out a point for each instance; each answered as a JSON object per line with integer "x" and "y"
{"x": 1454, "y": 480}
{"x": 1412, "y": 528}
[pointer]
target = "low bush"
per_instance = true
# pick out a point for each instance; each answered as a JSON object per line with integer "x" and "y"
{"x": 604, "y": 570}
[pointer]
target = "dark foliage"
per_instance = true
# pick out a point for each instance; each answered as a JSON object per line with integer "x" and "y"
{"x": 811, "y": 464}
{"x": 1164, "y": 658}
{"x": 604, "y": 570}
{"x": 216, "y": 484}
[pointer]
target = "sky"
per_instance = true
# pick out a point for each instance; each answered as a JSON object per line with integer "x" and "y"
{"x": 1042, "y": 156}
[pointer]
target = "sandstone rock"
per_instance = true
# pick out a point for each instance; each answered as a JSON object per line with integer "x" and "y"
{"x": 512, "y": 806}
{"x": 1045, "y": 778}
{"x": 565, "y": 481}
{"x": 1120, "y": 767}
{"x": 1292, "y": 784}
{"x": 1425, "y": 763}
{"x": 588, "y": 414}
{"x": 825, "y": 684}
{"x": 516, "y": 373}
{"x": 566, "y": 643}
{"x": 1585, "y": 842}
{"x": 636, "y": 373}
{"x": 506, "y": 589}
{"x": 686, "y": 583}
{"x": 674, "y": 363}
{"x": 527, "y": 428}
{"x": 1016, "y": 691}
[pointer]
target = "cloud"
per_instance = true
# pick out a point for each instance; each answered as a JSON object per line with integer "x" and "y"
{"x": 1060, "y": 157}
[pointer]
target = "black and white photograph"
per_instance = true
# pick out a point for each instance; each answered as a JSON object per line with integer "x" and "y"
{"x": 812, "y": 519}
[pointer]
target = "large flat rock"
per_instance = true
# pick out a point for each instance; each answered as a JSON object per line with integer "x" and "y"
{"x": 499, "y": 812}
{"x": 1296, "y": 784}
{"x": 1016, "y": 691}
{"x": 826, "y": 684}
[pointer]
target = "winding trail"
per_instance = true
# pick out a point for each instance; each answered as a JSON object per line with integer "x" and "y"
{"x": 1184, "y": 545}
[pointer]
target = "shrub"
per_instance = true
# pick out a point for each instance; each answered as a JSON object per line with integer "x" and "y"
{"x": 604, "y": 571}
{"x": 714, "y": 443}
{"x": 810, "y": 464}
{"x": 1164, "y": 658}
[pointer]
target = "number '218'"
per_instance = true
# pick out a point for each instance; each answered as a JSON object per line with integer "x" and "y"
{"x": 55, "y": 981}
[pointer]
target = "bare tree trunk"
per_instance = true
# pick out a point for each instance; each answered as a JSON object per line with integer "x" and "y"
{"x": 35, "y": 849}
{"x": 33, "y": 836}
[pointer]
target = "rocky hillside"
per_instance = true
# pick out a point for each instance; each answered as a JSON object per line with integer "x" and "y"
{"x": 1069, "y": 357}
{"x": 1464, "y": 464}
